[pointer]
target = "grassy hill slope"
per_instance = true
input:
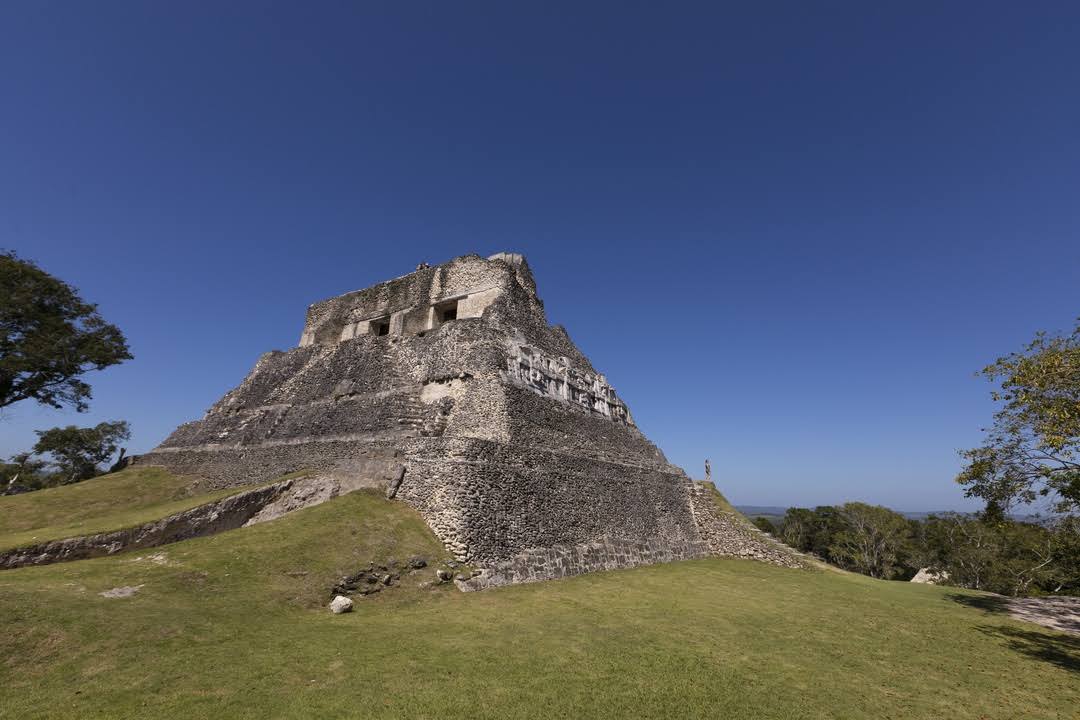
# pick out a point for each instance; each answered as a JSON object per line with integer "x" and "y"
{"x": 235, "y": 626}
{"x": 110, "y": 502}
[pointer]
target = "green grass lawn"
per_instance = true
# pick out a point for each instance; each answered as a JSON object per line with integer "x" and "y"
{"x": 111, "y": 502}
{"x": 235, "y": 626}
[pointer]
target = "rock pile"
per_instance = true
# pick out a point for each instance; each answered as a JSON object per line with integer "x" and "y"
{"x": 377, "y": 576}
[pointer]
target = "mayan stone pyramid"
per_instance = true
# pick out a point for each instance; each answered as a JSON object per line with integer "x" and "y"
{"x": 448, "y": 389}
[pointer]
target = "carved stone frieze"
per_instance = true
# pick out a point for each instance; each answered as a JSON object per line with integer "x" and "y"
{"x": 557, "y": 378}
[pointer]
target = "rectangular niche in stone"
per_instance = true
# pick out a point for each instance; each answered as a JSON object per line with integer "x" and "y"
{"x": 380, "y": 326}
{"x": 445, "y": 312}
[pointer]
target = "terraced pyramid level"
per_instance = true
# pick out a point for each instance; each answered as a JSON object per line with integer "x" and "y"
{"x": 448, "y": 388}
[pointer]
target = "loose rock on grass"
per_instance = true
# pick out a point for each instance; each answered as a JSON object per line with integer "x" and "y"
{"x": 341, "y": 604}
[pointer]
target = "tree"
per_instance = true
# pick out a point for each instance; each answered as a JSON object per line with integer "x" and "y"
{"x": 797, "y": 528}
{"x": 959, "y": 546}
{"x": 76, "y": 452}
{"x": 1000, "y": 555}
{"x": 22, "y": 472}
{"x": 874, "y": 540}
{"x": 1032, "y": 451}
{"x": 811, "y": 531}
{"x": 1065, "y": 546}
{"x": 764, "y": 524}
{"x": 49, "y": 337}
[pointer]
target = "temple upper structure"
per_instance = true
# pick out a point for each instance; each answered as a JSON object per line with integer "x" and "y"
{"x": 421, "y": 302}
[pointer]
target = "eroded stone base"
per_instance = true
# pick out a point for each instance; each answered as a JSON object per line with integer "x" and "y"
{"x": 722, "y": 533}
{"x": 557, "y": 562}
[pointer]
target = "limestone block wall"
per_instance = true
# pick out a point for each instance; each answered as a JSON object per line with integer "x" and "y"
{"x": 412, "y": 304}
{"x": 360, "y": 386}
{"x": 491, "y": 501}
{"x": 721, "y": 533}
{"x": 564, "y": 427}
{"x": 563, "y": 561}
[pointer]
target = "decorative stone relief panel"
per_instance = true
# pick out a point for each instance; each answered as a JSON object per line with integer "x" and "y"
{"x": 555, "y": 377}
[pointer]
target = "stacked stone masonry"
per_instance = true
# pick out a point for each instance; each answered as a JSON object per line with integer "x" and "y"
{"x": 449, "y": 388}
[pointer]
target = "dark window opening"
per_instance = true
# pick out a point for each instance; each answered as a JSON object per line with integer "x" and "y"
{"x": 380, "y": 326}
{"x": 446, "y": 312}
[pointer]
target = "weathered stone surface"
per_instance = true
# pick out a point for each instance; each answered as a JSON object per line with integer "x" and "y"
{"x": 927, "y": 577}
{"x": 448, "y": 389}
{"x": 341, "y": 604}
{"x": 564, "y": 561}
{"x": 728, "y": 534}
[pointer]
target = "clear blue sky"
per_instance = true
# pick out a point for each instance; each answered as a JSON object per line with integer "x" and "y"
{"x": 789, "y": 233}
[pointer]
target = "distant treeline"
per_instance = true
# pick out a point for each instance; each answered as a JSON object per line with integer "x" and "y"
{"x": 998, "y": 554}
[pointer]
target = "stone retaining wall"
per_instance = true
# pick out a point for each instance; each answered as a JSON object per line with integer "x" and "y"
{"x": 563, "y": 561}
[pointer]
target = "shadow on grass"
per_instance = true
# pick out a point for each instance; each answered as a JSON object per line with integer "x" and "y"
{"x": 1055, "y": 648}
{"x": 986, "y": 603}
{"x": 1060, "y": 650}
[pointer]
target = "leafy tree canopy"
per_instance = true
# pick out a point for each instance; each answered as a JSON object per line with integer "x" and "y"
{"x": 22, "y": 471}
{"x": 872, "y": 540}
{"x": 1003, "y": 556}
{"x": 1033, "y": 449}
{"x": 76, "y": 452}
{"x": 1000, "y": 555}
{"x": 49, "y": 337}
{"x": 764, "y": 524}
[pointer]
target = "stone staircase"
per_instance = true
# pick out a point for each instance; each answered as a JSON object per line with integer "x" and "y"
{"x": 426, "y": 420}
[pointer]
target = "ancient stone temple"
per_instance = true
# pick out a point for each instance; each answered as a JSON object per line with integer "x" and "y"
{"x": 448, "y": 388}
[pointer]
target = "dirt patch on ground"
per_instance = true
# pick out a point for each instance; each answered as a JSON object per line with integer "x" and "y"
{"x": 1058, "y": 612}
